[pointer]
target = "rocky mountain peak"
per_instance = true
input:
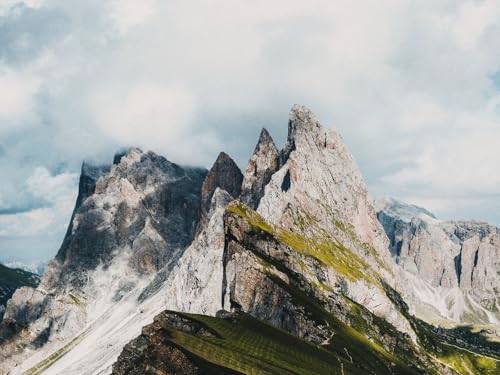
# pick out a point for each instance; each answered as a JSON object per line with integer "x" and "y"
{"x": 145, "y": 205}
{"x": 224, "y": 174}
{"x": 304, "y": 130}
{"x": 404, "y": 211}
{"x": 124, "y": 152}
{"x": 89, "y": 175}
{"x": 454, "y": 261}
{"x": 265, "y": 140}
{"x": 319, "y": 176}
{"x": 260, "y": 168}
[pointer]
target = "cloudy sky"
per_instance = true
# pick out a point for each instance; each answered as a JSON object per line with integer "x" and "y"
{"x": 413, "y": 86}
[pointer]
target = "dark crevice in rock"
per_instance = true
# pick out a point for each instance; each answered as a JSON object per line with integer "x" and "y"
{"x": 399, "y": 246}
{"x": 476, "y": 256}
{"x": 458, "y": 266}
{"x": 286, "y": 184}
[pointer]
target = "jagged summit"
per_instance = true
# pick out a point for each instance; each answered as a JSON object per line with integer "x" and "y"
{"x": 119, "y": 154}
{"x": 224, "y": 174}
{"x": 303, "y": 127}
{"x": 90, "y": 173}
{"x": 316, "y": 166}
{"x": 265, "y": 140}
{"x": 260, "y": 168}
{"x": 300, "y": 119}
{"x": 141, "y": 200}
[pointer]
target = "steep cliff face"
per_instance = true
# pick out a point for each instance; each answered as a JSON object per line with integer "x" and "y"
{"x": 225, "y": 175}
{"x": 130, "y": 221}
{"x": 146, "y": 206}
{"x": 318, "y": 176}
{"x": 316, "y": 209}
{"x": 458, "y": 261}
{"x": 262, "y": 165}
{"x": 195, "y": 284}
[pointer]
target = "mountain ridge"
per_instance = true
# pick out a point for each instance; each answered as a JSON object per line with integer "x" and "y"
{"x": 295, "y": 244}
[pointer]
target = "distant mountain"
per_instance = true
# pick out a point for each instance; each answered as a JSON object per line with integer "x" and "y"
{"x": 285, "y": 269}
{"x": 33, "y": 267}
{"x": 10, "y": 280}
{"x": 456, "y": 264}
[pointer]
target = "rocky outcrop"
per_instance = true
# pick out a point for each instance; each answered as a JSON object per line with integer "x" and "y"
{"x": 318, "y": 176}
{"x": 129, "y": 223}
{"x": 11, "y": 280}
{"x": 260, "y": 168}
{"x": 145, "y": 205}
{"x": 458, "y": 260}
{"x": 317, "y": 203}
{"x": 224, "y": 174}
{"x": 195, "y": 283}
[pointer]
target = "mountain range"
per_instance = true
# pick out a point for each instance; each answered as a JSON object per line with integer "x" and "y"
{"x": 289, "y": 268}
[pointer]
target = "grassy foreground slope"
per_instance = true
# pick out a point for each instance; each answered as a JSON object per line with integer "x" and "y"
{"x": 242, "y": 344}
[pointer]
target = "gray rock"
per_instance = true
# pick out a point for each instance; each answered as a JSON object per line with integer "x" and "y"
{"x": 130, "y": 220}
{"x": 224, "y": 174}
{"x": 261, "y": 166}
{"x": 456, "y": 258}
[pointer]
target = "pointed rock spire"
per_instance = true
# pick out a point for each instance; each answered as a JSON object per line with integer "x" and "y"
{"x": 260, "y": 168}
{"x": 224, "y": 174}
{"x": 304, "y": 129}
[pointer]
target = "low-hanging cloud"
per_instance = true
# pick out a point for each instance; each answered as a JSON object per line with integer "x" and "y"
{"x": 411, "y": 86}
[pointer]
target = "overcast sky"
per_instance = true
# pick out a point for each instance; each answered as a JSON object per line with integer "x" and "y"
{"x": 413, "y": 86}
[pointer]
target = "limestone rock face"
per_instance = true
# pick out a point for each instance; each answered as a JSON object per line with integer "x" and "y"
{"x": 130, "y": 220}
{"x": 261, "y": 166}
{"x": 315, "y": 204}
{"x": 224, "y": 174}
{"x": 195, "y": 284}
{"x": 145, "y": 205}
{"x": 319, "y": 176}
{"x": 458, "y": 260}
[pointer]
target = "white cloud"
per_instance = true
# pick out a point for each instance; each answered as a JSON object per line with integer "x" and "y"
{"x": 472, "y": 19}
{"x": 17, "y": 93}
{"x": 127, "y": 14}
{"x": 42, "y": 184}
{"x": 58, "y": 194}
{"x": 133, "y": 114}
{"x": 6, "y": 5}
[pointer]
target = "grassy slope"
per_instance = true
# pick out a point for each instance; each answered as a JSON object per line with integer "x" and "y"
{"x": 462, "y": 360}
{"x": 333, "y": 254}
{"x": 322, "y": 247}
{"x": 250, "y": 346}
